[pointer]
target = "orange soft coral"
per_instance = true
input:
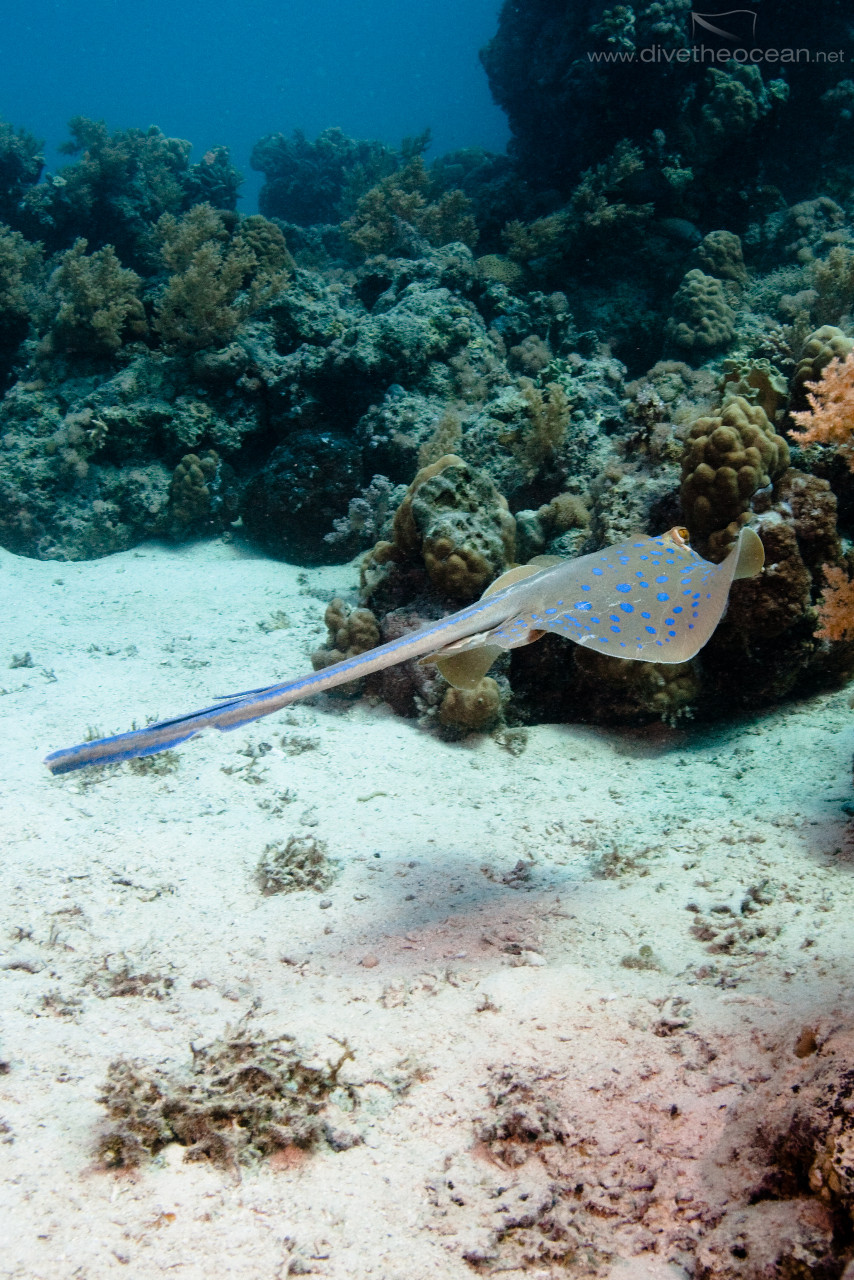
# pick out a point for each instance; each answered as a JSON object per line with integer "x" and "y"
{"x": 836, "y": 606}
{"x": 830, "y": 417}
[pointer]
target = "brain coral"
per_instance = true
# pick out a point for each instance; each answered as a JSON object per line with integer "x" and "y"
{"x": 495, "y": 268}
{"x": 702, "y": 318}
{"x": 727, "y": 457}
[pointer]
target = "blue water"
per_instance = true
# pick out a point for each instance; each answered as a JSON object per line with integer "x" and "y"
{"x": 219, "y": 73}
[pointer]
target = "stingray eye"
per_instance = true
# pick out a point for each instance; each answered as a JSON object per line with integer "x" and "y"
{"x": 680, "y": 535}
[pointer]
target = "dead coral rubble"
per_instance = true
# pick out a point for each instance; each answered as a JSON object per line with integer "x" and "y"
{"x": 242, "y": 1099}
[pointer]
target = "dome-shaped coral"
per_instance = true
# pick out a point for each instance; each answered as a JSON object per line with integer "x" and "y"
{"x": 702, "y": 318}
{"x": 455, "y": 519}
{"x": 471, "y": 708}
{"x": 727, "y": 457}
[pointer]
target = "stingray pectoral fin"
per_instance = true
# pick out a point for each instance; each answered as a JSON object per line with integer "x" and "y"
{"x": 466, "y": 670}
{"x": 750, "y": 555}
{"x": 513, "y": 576}
{"x": 544, "y": 562}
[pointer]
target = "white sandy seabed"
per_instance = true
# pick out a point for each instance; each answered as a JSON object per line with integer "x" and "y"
{"x": 538, "y": 1095}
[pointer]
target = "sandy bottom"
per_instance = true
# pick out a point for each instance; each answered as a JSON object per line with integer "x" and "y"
{"x": 576, "y": 981}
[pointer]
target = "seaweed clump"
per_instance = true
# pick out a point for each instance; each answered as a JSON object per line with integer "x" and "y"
{"x": 242, "y": 1099}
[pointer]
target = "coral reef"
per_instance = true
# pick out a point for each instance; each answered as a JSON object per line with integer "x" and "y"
{"x": 404, "y": 211}
{"x": 171, "y": 368}
{"x": 121, "y": 184}
{"x": 320, "y": 181}
{"x": 21, "y": 164}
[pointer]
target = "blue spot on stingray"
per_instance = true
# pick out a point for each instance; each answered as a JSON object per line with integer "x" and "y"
{"x": 597, "y": 573}
{"x": 627, "y": 608}
{"x": 677, "y": 608}
{"x": 672, "y": 635}
{"x": 624, "y": 587}
{"x": 616, "y": 630}
{"x": 646, "y": 615}
{"x": 585, "y": 588}
{"x": 550, "y": 612}
{"x": 670, "y": 622}
{"x": 662, "y": 596}
{"x": 651, "y": 630}
{"x": 583, "y": 604}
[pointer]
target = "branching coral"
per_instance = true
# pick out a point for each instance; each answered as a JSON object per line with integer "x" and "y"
{"x": 244, "y": 1098}
{"x": 548, "y": 413}
{"x": 836, "y": 606}
{"x": 21, "y": 161}
{"x": 830, "y": 417}
{"x": 320, "y": 181}
{"x": 19, "y": 268}
{"x": 405, "y": 207}
{"x": 92, "y": 303}
{"x": 221, "y": 271}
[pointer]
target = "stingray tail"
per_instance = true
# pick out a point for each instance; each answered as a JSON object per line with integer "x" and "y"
{"x": 228, "y": 713}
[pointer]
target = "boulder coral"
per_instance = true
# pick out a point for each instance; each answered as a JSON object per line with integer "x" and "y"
{"x": 702, "y": 319}
{"x": 457, "y": 524}
{"x": 728, "y": 456}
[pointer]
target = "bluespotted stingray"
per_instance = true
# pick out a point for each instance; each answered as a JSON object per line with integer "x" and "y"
{"x": 647, "y": 600}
